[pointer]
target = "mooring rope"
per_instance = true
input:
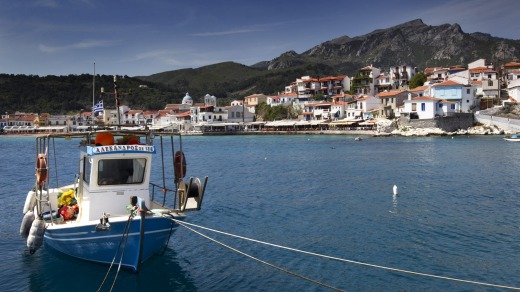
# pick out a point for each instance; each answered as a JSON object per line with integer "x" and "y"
{"x": 256, "y": 259}
{"x": 347, "y": 260}
{"x": 125, "y": 235}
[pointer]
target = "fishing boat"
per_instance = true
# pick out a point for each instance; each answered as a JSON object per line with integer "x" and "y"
{"x": 110, "y": 211}
{"x": 513, "y": 138}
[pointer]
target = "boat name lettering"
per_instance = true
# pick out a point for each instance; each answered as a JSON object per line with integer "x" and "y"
{"x": 113, "y": 148}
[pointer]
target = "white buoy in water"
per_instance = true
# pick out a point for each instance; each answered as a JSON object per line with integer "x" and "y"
{"x": 395, "y": 190}
{"x": 35, "y": 238}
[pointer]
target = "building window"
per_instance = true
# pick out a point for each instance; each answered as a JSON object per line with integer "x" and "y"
{"x": 414, "y": 107}
{"x": 423, "y": 106}
{"x": 440, "y": 105}
{"x": 453, "y": 106}
{"x": 468, "y": 91}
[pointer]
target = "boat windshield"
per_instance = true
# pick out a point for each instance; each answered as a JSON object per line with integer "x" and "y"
{"x": 121, "y": 171}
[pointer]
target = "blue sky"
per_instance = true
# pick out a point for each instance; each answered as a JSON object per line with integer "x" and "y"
{"x": 144, "y": 37}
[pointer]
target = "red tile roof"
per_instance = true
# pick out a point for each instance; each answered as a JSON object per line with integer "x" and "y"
{"x": 390, "y": 93}
{"x": 512, "y": 64}
{"x": 448, "y": 83}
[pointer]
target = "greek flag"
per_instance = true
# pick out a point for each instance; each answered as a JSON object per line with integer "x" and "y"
{"x": 98, "y": 107}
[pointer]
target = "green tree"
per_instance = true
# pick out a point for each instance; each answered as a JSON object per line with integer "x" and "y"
{"x": 417, "y": 80}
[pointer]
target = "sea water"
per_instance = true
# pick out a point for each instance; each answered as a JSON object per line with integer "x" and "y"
{"x": 456, "y": 215}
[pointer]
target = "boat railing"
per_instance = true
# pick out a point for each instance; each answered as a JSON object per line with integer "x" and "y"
{"x": 164, "y": 192}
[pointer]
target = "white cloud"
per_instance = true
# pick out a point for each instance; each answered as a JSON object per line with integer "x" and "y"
{"x": 228, "y": 32}
{"x": 81, "y": 45}
{"x": 162, "y": 56}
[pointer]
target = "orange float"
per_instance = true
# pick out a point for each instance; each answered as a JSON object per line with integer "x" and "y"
{"x": 41, "y": 169}
{"x": 104, "y": 139}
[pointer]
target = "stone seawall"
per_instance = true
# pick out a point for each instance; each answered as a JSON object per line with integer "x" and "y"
{"x": 448, "y": 124}
{"x": 506, "y": 124}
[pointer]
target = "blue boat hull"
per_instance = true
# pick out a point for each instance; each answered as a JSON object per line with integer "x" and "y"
{"x": 85, "y": 242}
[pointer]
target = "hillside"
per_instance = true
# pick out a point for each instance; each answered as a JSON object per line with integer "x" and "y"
{"x": 70, "y": 94}
{"x": 412, "y": 43}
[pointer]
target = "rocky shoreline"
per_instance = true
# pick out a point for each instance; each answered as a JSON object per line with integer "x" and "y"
{"x": 389, "y": 128}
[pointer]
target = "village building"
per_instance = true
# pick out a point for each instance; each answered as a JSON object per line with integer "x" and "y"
{"x": 363, "y": 83}
{"x": 427, "y": 107}
{"x": 401, "y": 76}
{"x": 511, "y": 71}
{"x": 391, "y": 101}
{"x": 463, "y": 96}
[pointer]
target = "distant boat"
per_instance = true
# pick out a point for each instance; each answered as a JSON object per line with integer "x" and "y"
{"x": 358, "y": 139}
{"x": 513, "y": 138}
{"x": 111, "y": 211}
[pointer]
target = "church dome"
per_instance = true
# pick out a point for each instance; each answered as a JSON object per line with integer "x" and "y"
{"x": 187, "y": 99}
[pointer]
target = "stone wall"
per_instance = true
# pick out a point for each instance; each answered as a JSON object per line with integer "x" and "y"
{"x": 506, "y": 124}
{"x": 449, "y": 124}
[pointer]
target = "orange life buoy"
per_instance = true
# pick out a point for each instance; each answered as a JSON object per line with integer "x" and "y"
{"x": 179, "y": 164}
{"x": 41, "y": 169}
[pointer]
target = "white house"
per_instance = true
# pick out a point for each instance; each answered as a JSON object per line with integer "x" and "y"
{"x": 383, "y": 83}
{"x": 427, "y": 107}
{"x": 463, "y": 96}
{"x": 401, "y": 76}
{"x": 285, "y": 99}
{"x": 366, "y": 104}
{"x": 337, "y": 110}
{"x": 237, "y": 102}
{"x": 514, "y": 89}
{"x": 237, "y": 114}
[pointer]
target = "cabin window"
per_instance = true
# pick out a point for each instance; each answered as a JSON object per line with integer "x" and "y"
{"x": 121, "y": 171}
{"x": 87, "y": 165}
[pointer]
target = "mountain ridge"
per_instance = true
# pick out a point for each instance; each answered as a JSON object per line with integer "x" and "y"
{"x": 411, "y": 43}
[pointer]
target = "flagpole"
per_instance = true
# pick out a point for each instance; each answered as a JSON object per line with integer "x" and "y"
{"x": 93, "y": 88}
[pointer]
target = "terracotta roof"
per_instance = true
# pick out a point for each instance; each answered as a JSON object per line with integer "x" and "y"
{"x": 419, "y": 88}
{"x": 365, "y": 97}
{"x": 447, "y": 83}
{"x": 481, "y": 70}
{"x": 183, "y": 115}
{"x": 390, "y": 93}
{"x": 424, "y": 98}
{"x": 512, "y": 64}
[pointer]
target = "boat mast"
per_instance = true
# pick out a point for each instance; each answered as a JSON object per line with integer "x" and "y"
{"x": 116, "y": 93}
{"x": 93, "y": 88}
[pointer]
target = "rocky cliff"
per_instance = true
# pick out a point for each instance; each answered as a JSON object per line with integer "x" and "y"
{"x": 412, "y": 43}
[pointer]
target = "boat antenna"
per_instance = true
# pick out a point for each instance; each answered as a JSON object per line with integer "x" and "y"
{"x": 116, "y": 94}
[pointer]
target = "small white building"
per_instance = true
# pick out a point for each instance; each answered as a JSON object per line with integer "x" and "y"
{"x": 513, "y": 89}
{"x": 237, "y": 114}
{"x": 427, "y": 107}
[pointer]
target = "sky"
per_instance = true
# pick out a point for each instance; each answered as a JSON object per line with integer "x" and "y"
{"x": 145, "y": 37}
